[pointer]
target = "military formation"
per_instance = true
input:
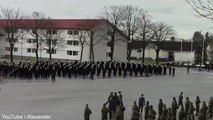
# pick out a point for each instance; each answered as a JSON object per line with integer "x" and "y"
{"x": 87, "y": 69}
{"x": 178, "y": 110}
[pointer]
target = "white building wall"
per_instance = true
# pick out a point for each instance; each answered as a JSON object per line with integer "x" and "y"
{"x": 120, "y": 48}
{"x": 184, "y": 56}
{"x": 100, "y": 50}
{"x": 149, "y": 53}
{"x": 178, "y": 55}
{"x": 61, "y": 53}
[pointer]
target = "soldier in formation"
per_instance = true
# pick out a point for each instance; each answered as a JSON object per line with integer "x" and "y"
{"x": 86, "y": 69}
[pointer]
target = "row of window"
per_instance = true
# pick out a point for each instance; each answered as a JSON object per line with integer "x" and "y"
{"x": 33, "y": 50}
{"x": 69, "y": 32}
{"x": 14, "y": 49}
{"x": 74, "y": 53}
{"x": 72, "y": 42}
{"x": 15, "y": 40}
{"x": 29, "y": 50}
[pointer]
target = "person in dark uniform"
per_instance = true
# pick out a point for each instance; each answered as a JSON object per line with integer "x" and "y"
{"x": 111, "y": 103}
{"x": 164, "y": 112}
{"x": 174, "y": 107}
{"x": 92, "y": 72}
{"x": 104, "y": 112}
{"x": 160, "y": 109}
{"x": 147, "y": 72}
{"x": 104, "y": 71}
{"x": 119, "y": 69}
{"x": 146, "y": 109}
{"x": 98, "y": 70}
{"x": 164, "y": 70}
{"x": 180, "y": 100}
{"x": 187, "y": 105}
{"x": 125, "y": 71}
{"x": 170, "y": 70}
{"x": 173, "y": 71}
{"x": 53, "y": 73}
{"x": 141, "y": 103}
{"x": 109, "y": 69}
{"x": 182, "y": 114}
{"x": 120, "y": 96}
{"x": 197, "y": 105}
{"x": 188, "y": 67}
{"x": 87, "y": 113}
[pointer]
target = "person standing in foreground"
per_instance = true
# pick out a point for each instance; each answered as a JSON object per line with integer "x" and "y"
{"x": 141, "y": 103}
{"x": 180, "y": 100}
{"x": 104, "y": 112}
{"x": 87, "y": 113}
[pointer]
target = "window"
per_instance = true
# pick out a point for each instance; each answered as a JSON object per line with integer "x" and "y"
{"x": 7, "y": 40}
{"x": 34, "y": 40}
{"x": 29, "y": 50}
{"x": 70, "y": 32}
{"x": 75, "y": 53}
{"x": 49, "y": 31}
{"x": 75, "y": 43}
{"x": 75, "y": 32}
{"x": 33, "y": 50}
{"x": 34, "y": 31}
{"x": 53, "y": 52}
{"x": 69, "y": 42}
{"x": 54, "y": 31}
{"x": 7, "y": 48}
{"x": 108, "y": 54}
{"x": 69, "y": 52}
{"x": 29, "y": 41}
{"x": 15, "y": 49}
{"x": 108, "y": 44}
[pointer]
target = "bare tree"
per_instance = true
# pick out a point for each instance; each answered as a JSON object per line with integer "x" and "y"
{"x": 203, "y": 8}
{"x": 95, "y": 38}
{"x": 130, "y": 17}
{"x": 82, "y": 39}
{"x": 162, "y": 32}
{"x": 37, "y": 23}
{"x": 11, "y": 21}
{"x": 52, "y": 39}
{"x": 113, "y": 14}
{"x": 145, "y": 32}
{"x": 94, "y": 33}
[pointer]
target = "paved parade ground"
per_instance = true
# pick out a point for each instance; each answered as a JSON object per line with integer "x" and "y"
{"x": 66, "y": 98}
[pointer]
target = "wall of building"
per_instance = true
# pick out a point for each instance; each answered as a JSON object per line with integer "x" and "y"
{"x": 61, "y": 52}
{"x": 149, "y": 53}
{"x": 178, "y": 56}
{"x": 184, "y": 56}
{"x": 100, "y": 50}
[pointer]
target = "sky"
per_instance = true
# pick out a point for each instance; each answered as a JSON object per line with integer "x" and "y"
{"x": 176, "y": 13}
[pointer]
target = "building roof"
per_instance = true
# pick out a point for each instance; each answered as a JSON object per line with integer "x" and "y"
{"x": 81, "y": 24}
{"x": 167, "y": 45}
{"x": 54, "y": 23}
